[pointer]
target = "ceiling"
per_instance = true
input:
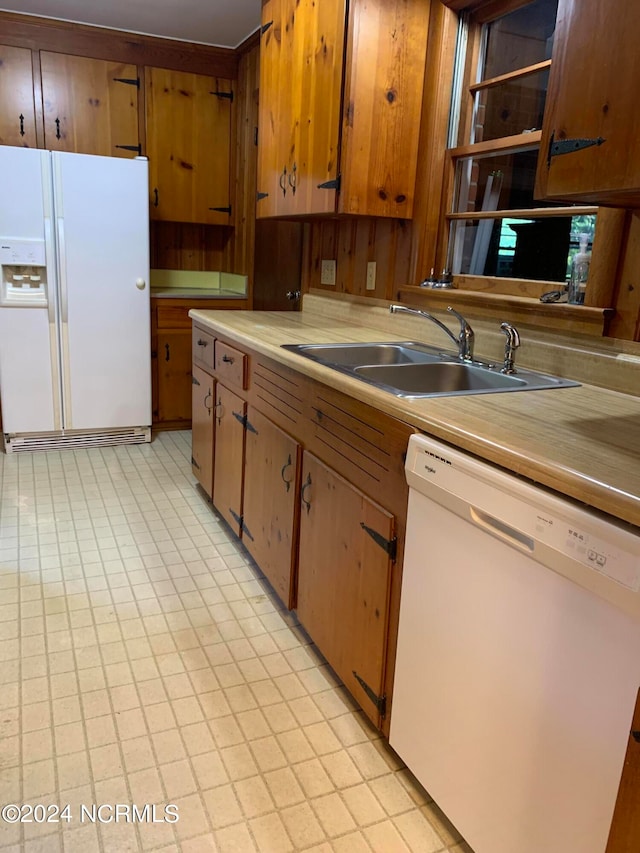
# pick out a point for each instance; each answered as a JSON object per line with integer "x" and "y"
{"x": 225, "y": 23}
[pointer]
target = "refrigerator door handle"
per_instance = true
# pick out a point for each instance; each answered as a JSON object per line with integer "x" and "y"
{"x": 62, "y": 278}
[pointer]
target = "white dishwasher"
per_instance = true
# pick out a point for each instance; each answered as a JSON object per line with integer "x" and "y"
{"x": 518, "y": 659}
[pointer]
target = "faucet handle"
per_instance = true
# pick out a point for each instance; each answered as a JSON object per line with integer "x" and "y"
{"x": 510, "y": 347}
{"x": 466, "y": 336}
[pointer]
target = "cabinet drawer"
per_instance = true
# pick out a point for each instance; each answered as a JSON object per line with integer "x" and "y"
{"x": 203, "y": 345}
{"x": 231, "y": 365}
{"x": 173, "y": 316}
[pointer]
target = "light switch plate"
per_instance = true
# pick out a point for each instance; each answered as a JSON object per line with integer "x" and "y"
{"x": 328, "y": 272}
{"x": 371, "y": 275}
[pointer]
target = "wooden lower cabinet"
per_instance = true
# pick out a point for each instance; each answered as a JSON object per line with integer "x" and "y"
{"x": 344, "y": 576}
{"x": 228, "y": 463}
{"x": 202, "y": 426}
{"x": 271, "y": 501}
{"x": 625, "y": 828}
{"x": 173, "y": 378}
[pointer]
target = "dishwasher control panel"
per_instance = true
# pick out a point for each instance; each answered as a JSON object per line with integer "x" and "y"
{"x": 599, "y": 554}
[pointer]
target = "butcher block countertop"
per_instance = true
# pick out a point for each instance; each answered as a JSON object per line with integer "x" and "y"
{"x": 583, "y": 442}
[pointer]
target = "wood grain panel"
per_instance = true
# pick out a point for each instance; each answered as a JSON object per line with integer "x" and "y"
{"x": 385, "y": 63}
{"x": 278, "y": 392}
{"x": 625, "y": 827}
{"x": 202, "y": 425}
{"x": 17, "y": 116}
{"x": 270, "y": 502}
{"x": 186, "y": 246}
{"x": 174, "y": 377}
{"x": 344, "y": 578}
{"x": 591, "y": 96}
{"x": 353, "y": 243}
{"x": 188, "y": 131}
{"x": 86, "y": 108}
{"x": 626, "y": 321}
{"x": 116, "y": 46}
{"x": 228, "y": 456}
{"x": 230, "y": 364}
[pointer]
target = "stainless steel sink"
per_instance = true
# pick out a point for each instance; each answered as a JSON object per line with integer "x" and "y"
{"x": 441, "y": 378}
{"x": 356, "y": 355}
{"x": 410, "y": 369}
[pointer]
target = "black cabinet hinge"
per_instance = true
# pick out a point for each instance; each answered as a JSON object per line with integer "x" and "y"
{"x": 130, "y": 81}
{"x": 260, "y": 196}
{"x": 636, "y": 736}
{"x": 222, "y": 209}
{"x": 246, "y": 423}
{"x": 265, "y": 27}
{"x": 379, "y": 701}
{"x": 194, "y": 381}
{"x": 331, "y": 185}
{"x": 194, "y": 463}
{"x": 137, "y": 148}
{"x": 568, "y": 146}
{"x": 239, "y": 519}
{"x": 389, "y": 546}
{"x": 227, "y": 95}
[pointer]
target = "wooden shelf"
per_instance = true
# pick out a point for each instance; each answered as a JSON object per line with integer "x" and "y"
{"x": 559, "y": 316}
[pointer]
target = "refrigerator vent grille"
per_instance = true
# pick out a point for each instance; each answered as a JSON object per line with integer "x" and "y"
{"x": 75, "y": 441}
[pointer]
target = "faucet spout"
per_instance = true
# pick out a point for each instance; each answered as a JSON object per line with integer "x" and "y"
{"x": 464, "y": 339}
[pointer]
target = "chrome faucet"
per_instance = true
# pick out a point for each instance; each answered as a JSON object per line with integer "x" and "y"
{"x": 510, "y": 347}
{"x": 464, "y": 339}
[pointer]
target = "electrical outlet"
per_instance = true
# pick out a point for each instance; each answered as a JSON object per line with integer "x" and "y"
{"x": 371, "y": 275}
{"x": 328, "y": 272}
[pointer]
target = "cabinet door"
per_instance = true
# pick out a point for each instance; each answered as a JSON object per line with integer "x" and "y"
{"x": 188, "y": 145}
{"x": 300, "y": 105}
{"x": 90, "y": 105}
{"x": 229, "y": 456}
{"x": 270, "y": 501}
{"x": 17, "y": 113}
{"x": 174, "y": 376}
{"x": 344, "y": 576}
{"x": 591, "y": 96}
{"x": 625, "y": 827}
{"x": 202, "y": 428}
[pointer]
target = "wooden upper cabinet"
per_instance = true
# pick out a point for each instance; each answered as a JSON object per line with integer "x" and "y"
{"x": 90, "y": 105}
{"x": 339, "y": 106}
{"x": 189, "y": 146}
{"x": 592, "y": 96}
{"x": 17, "y": 113}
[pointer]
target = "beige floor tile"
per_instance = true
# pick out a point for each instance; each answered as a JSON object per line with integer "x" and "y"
{"x": 302, "y": 825}
{"x": 149, "y": 638}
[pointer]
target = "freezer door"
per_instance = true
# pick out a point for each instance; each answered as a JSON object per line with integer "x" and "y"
{"x": 103, "y": 244}
{"x": 29, "y": 376}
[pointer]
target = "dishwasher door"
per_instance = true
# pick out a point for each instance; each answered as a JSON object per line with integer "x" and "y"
{"x": 518, "y": 658}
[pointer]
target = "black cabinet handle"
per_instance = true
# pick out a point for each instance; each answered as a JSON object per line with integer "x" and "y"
{"x": 167, "y": 356}
{"x": 307, "y": 484}
{"x": 202, "y": 343}
{"x": 283, "y": 182}
{"x": 227, "y": 359}
{"x": 218, "y": 410}
{"x": 208, "y": 405}
{"x": 155, "y": 197}
{"x": 293, "y": 178}
{"x": 286, "y": 465}
{"x": 57, "y": 128}
{"x": 21, "y": 117}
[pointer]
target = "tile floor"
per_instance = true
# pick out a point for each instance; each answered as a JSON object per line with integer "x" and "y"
{"x": 143, "y": 660}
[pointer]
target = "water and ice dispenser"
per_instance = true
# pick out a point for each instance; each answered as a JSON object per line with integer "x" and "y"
{"x": 24, "y": 273}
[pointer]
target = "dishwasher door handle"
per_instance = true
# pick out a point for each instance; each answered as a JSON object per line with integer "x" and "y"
{"x": 501, "y": 530}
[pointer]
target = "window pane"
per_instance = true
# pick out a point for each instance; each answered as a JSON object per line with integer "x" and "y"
{"x": 510, "y": 108}
{"x": 522, "y": 38}
{"x": 497, "y": 182}
{"x": 538, "y": 249}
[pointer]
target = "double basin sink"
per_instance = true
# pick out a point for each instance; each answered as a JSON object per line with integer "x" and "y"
{"x": 411, "y": 369}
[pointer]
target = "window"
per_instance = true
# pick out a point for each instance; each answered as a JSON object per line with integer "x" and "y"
{"x": 496, "y": 225}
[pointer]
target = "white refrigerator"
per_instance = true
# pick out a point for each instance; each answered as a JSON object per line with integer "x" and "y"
{"x": 75, "y": 351}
